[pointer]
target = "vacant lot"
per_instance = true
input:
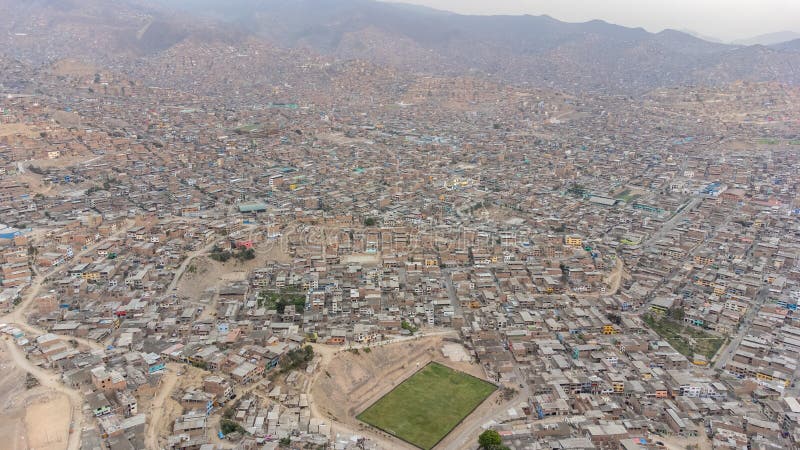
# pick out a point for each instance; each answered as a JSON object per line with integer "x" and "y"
{"x": 424, "y": 408}
{"x": 684, "y": 339}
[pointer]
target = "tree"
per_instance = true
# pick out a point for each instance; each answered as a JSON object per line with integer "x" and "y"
{"x": 407, "y": 326}
{"x": 676, "y": 314}
{"x": 229, "y": 426}
{"x": 370, "y": 221}
{"x": 489, "y": 440}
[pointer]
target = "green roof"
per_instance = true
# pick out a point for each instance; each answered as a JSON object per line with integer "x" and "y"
{"x": 252, "y": 207}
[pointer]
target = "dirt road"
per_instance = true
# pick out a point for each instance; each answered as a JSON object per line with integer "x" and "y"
{"x": 48, "y": 379}
{"x": 615, "y": 279}
{"x": 344, "y": 383}
{"x": 53, "y": 382}
{"x": 680, "y": 442}
{"x": 17, "y": 316}
{"x": 189, "y": 258}
{"x": 157, "y": 417}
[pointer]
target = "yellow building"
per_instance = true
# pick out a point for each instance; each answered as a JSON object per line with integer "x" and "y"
{"x": 609, "y": 329}
{"x": 573, "y": 241}
{"x": 704, "y": 260}
{"x": 92, "y": 275}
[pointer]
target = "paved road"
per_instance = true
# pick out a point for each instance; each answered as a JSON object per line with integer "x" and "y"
{"x": 451, "y": 293}
{"x": 466, "y": 434}
{"x": 725, "y": 356}
{"x": 670, "y": 225}
{"x": 673, "y": 222}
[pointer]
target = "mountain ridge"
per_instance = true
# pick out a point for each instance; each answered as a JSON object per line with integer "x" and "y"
{"x": 769, "y": 38}
{"x": 535, "y": 50}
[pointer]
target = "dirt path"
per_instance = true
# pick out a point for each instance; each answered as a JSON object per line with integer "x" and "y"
{"x": 158, "y": 421}
{"x": 185, "y": 264}
{"x": 326, "y": 355}
{"x": 614, "y": 280}
{"x": 52, "y": 381}
{"x": 465, "y": 435}
{"x": 17, "y": 316}
{"x": 616, "y": 277}
{"x": 680, "y": 443}
{"x": 12, "y": 402}
{"x": 47, "y": 427}
{"x": 344, "y": 383}
{"x": 467, "y": 432}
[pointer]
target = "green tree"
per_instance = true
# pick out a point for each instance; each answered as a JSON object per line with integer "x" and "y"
{"x": 229, "y": 426}
{"x": 489, "y": 440}
{"x": 407, "y": 326}
{"x": 677, "y": 314}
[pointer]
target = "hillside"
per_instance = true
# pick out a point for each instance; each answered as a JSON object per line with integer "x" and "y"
{"x": 535, "y": 50}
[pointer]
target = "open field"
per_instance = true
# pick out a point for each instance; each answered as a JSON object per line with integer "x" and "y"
{"x": 36, "y": 418}
{"x": 346, "y": 383}
{"x": 12, "y": 129}
{"x": 46, "y": 423}
{"x": 684, "y": 339}
{"x": 424, "y": 408}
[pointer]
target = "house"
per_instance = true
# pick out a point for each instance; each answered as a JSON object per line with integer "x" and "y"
{"x": 220, "y": 387}
{"x": 99, "y": 404}
{"x": 337, "y": 337}
{"x": 192, "y": 424}
{"x": 662, "y": 304}
{"x": 127, "y": 403}
{"x": 107, "y": 380}
{"x": 246, "y": 372}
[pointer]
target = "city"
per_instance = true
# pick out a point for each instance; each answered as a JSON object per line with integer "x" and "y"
{"x": 257, "y": 259}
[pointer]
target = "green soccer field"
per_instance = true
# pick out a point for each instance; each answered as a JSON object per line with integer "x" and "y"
{"x": 424, "y": 408}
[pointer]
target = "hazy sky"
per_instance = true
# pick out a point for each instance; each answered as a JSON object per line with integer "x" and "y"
{"x": 722, "y": 19}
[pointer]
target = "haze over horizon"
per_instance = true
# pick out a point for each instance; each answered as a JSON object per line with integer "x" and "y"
{"x": 726, "y": 20}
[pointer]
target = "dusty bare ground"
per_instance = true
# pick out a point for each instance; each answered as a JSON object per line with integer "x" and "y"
{"x": 39, "y": 186}
{"x": 30, "y": 419}
{"x": 340, "y": 139}
{"x": 203, "y": 273}
{"x": 73, "y": 67}
{"x": 162, "y": 408}
{"x": 680, "y": 443}
{"x": 344, "y": 383}
{"x": 12, "y": 427}
{"x": 46, "y": 424}
{"x": 13, "y": 129}
{"x": 12, "y": 405}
